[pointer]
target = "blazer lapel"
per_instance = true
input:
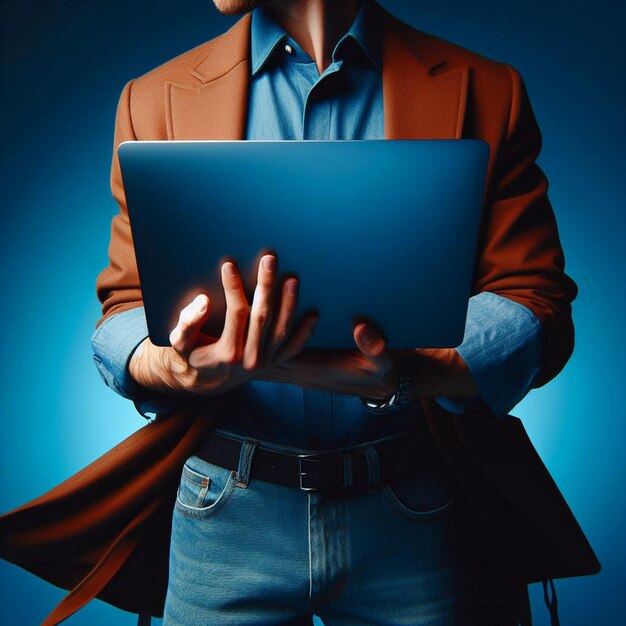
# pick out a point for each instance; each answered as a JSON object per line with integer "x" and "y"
{"x": 423, "y": 97}
{"x": 217, "y": 107}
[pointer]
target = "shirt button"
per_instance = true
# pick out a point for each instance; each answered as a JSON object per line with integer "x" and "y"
{"x": 288, "y": 49}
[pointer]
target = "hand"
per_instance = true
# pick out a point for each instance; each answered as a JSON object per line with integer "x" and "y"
{"x": 372, "y": 371}
{"x": 369, "y": 371}
{"x": 202, "y": 365}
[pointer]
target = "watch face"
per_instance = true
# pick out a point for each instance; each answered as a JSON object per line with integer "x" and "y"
{"x": 399, "y": 398}
{"x": 381, "y": 404}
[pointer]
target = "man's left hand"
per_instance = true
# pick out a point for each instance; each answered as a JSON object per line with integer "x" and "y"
{"x": 369, "y": 371}
{"x": 372, "y": 371}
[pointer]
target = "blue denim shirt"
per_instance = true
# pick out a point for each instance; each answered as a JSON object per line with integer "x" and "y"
{"x": 290, "y": 100}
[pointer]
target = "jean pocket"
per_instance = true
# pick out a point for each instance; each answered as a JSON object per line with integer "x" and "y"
{"x": 204, "y": 488}
{"x": 419, "y": 497}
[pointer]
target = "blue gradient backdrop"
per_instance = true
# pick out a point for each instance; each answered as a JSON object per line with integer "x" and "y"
{"x": 64, "y": 64}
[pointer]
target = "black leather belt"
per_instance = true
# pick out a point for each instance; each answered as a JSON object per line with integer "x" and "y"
{"x": 346, "y": 469}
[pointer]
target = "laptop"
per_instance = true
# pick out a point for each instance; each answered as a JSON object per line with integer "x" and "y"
{"x": 384, "y": 231}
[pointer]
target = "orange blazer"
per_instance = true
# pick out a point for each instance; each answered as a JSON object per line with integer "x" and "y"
{"x": 105, "y": 531}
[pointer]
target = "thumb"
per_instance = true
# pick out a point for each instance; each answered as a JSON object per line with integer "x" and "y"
{"x": 191, "y": 319}
{"x": 372, "y": 344}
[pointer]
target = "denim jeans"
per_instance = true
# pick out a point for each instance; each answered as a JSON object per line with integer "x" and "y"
{"x": 245, "y": 551}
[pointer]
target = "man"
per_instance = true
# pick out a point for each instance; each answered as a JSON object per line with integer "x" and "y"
{"x": 308, "y": 81}
{"x": 248, "y": 546}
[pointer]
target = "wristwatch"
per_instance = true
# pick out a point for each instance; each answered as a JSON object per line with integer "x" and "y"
{"x": 400, "y": 397}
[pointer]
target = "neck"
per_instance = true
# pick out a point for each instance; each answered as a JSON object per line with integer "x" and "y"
{"x": 317, "y": 25}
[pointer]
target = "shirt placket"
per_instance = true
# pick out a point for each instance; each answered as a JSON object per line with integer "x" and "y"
{"x": 318, "y": 104}
{"x": 316, "y": 125}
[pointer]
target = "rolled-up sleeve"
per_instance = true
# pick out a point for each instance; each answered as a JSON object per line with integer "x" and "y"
{"x": 113, "y": 344}
{"x": 502, "y": 349}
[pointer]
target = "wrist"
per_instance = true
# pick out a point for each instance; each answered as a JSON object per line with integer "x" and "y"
{"x": 398, "y": 397}
{"x": 441, "y": 372}
{"x": 134, "y": 363}
{"x": 149, "y": 366}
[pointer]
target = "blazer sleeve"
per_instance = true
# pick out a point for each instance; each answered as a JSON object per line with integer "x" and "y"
{"x": 520, "y": 251}
{"x": 117, "y": 285}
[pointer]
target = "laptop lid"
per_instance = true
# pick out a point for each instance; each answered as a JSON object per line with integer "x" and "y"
{"x": 379, "y": 230}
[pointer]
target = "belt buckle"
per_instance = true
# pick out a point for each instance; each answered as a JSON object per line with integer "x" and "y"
{"x": 346, "y": 473}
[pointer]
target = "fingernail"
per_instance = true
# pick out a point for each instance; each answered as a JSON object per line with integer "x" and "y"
{"x": 367, "y": 335}
{"x": 200, "y": 304}
{"x": 269, "y": 263}
{"x": 230, "y": 269}
{"x": 314, "y": 322}
{"x": 292, "y": 287}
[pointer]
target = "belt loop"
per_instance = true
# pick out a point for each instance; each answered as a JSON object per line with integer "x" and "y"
{"x": 245, "y": 462}
{"x": 373, "y": 468}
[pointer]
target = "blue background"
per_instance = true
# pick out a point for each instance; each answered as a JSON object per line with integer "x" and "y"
{"x": 64, "y": 64}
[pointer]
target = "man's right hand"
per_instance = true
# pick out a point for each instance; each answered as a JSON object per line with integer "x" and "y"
{"x": 201, "y": 365}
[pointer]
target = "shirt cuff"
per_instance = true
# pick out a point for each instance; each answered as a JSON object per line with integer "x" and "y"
{"x": 502, "y": 349}
{"x": 113, "y": 344}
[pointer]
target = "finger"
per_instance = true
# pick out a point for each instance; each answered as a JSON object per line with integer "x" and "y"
{"x": 205, "y": 355}
{"x": 260, "y": 312}
{"x": 286, "y": 314}
{"x": 298, "y": 339}
{"x": 231, "y": 341}
{"x": 186, "y": 333}
{"x": 373, "y": 345}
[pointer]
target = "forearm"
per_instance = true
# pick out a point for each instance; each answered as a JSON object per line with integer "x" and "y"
{"x": 332, "y": 371}
{"x": 496, "y": 363}
{"x": 432, "y": 373}
{"x": 151, "y": 367}
{"x": 439, "y": 372}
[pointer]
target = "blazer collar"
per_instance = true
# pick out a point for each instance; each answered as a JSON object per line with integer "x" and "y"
{"x": 429, "y": 106}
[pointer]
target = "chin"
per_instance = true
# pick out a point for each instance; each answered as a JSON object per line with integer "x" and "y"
{"x": 235, "y": 7}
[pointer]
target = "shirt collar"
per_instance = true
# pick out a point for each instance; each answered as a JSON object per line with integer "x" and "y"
{"x": 266, "y": 34}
